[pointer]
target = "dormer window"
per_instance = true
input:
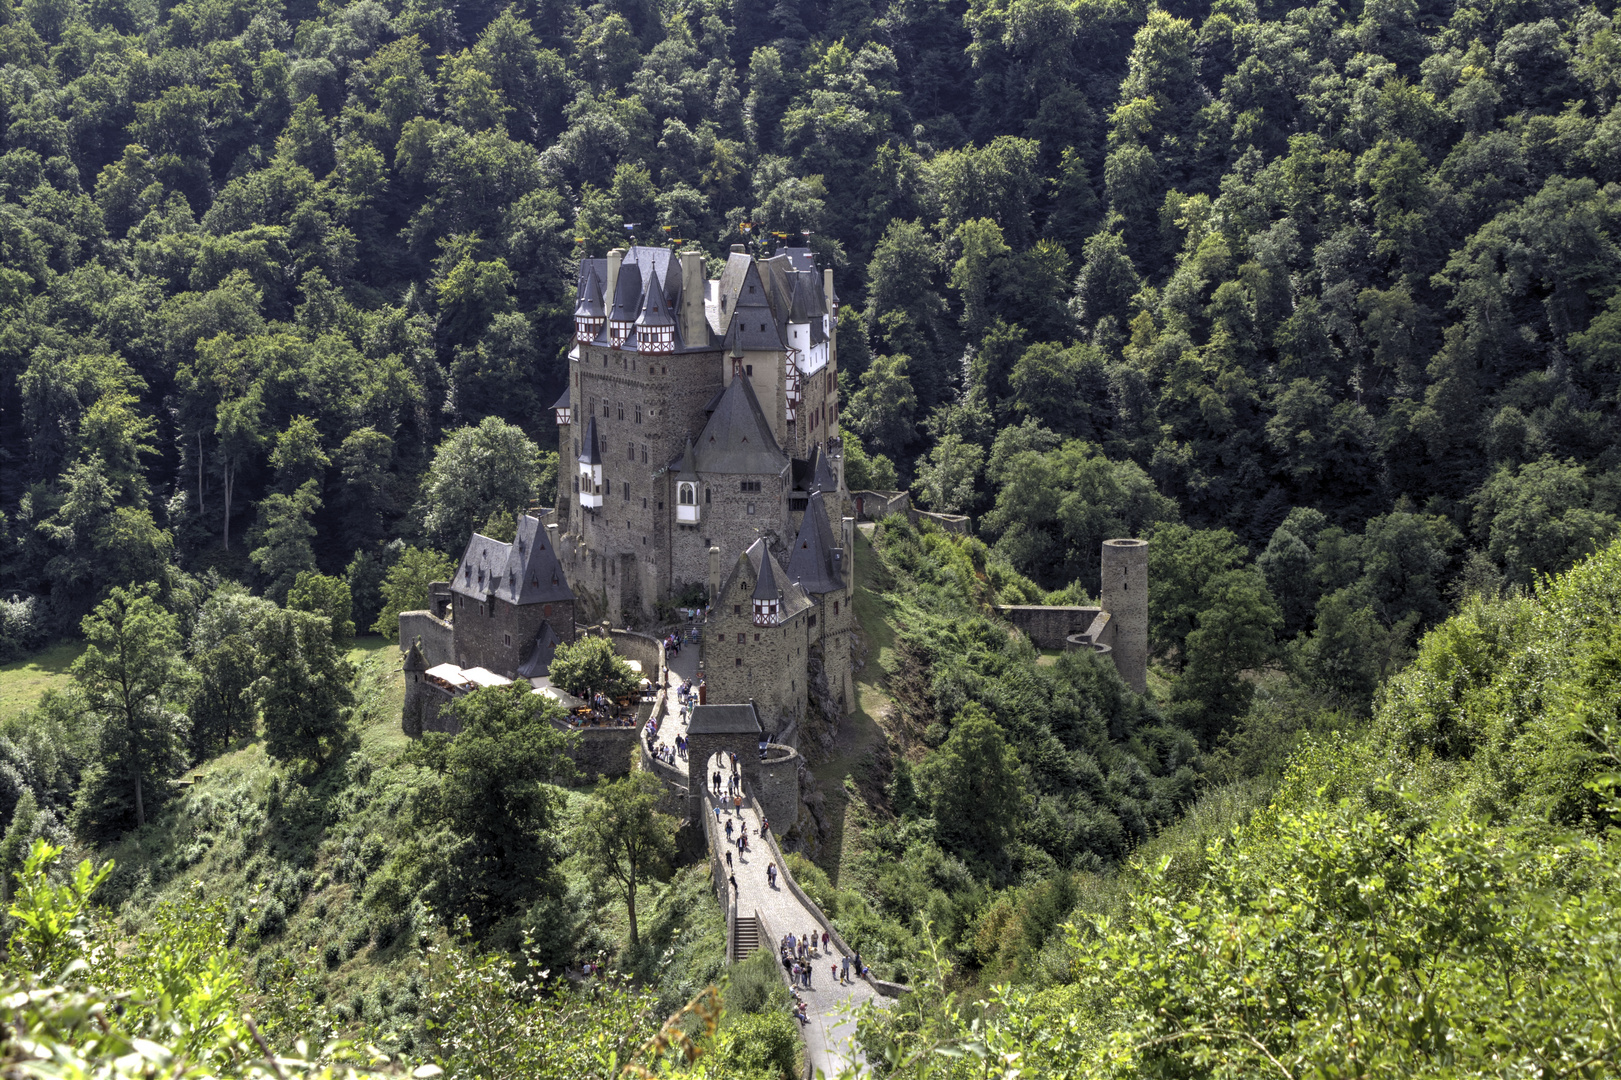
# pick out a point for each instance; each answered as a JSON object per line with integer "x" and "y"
{"x": 586, "y": 329}
{"x": 765, "y": 613}
{"x": 565, "y": 415}
{"x": 619, "y": 332}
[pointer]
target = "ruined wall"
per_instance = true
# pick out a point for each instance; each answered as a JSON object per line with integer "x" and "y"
{"x": 604, "y": 752}
{"x": 877, "y": 505}
{"x": 952, "y": 523}
{"x": 435, "y": 635}
{"x": 1048, "y": 626}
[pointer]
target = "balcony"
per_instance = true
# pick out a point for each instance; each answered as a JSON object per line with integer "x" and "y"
{"x": 686, "y": 514}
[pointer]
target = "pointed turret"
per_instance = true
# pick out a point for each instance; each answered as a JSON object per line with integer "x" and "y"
{"x": 814, "y": 562}
{"x": 589, "y": 312}
{"x": 655, "y": 329}
{"x": 414, "y": 661}
{"x": 767, "y": 595}
{"x": 687, "y": 508}
{"x": 591, "y": 467}
{"x": 627, "y": 304}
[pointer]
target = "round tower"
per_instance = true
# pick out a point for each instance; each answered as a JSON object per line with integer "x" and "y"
{"x": 1125, "y": 598}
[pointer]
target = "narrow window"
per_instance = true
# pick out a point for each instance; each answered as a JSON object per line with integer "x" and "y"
{"x": 740, "y": 638}
{"x": 506, "y": 638}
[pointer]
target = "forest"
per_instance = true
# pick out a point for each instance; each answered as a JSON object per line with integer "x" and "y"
{"x": 1324, "y": 299}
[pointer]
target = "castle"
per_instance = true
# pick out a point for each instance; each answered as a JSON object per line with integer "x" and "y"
{"x": 723, "y": 395}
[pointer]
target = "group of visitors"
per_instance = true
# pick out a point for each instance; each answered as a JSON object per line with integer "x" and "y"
{"x": 672, "y": 645}
{"x": 797, "y": 954}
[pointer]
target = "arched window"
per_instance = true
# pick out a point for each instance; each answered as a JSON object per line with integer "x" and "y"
{"x": 688, "y": 494}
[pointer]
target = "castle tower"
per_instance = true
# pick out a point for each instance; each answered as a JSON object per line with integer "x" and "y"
{"x": 1125, "y": 598}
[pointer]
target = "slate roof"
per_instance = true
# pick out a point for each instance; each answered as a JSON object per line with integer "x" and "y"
{"x": 414, "y": 660}
{"x": 655, "y": 311}
{"x": 562, "y": 402}
{"x": 755, "y": 323}
{"x": 525, "y": 571}
{"x": 591, "y": 451}
{"x": 725, "y": 720}
{"x": 540, "y": 657}
{"x": 534, "y": 576}
{"x": 758, "y": 560}
{"x": 648, "y": 277}
{"x": 737, "y": 438}
{"x": 483, "y": 563}
{"x": 627, "y": 297}
{"x": 765, "y": 588}
{"x": 590, "y": 304}
{"x": 821, "y": 478}
{"x": 811, "y": 565}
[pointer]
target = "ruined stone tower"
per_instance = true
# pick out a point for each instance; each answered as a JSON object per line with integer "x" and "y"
{"x": 1125, "y": 598}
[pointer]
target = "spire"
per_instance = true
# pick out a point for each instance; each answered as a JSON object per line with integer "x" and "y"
{"x": 811, "y": 563}
{"x": 627, "y": 297}
{"x": 821, "y": 473}
{"x": 591, "y": 453}
{"x": 590, "y": 305}
{"x": 689, "y": 464}
{"x": 766, "y": 588}
{"x": 654, "y": 311}
{"x": 414, "y": 660}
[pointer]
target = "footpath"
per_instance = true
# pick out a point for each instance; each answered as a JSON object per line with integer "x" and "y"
{"x": 830, "y": 1035}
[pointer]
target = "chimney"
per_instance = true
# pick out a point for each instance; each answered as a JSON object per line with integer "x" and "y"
{"x": 714, "y": 576}
{"x": 737, "y": 249}
{"x": 694, "y": 326}
{"x": 615, "y": 257}
{"x": 827, "y": 290}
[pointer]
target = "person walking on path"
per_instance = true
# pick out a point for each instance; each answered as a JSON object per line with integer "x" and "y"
{"x": 824, "y": 941}
{"x": 728, "y": 830}
{"x": 844, "y": 974}
{"x": 733, "y": 879}
{"x": 808, "y": 969}
{"x": 728, "y": 860}
{"x": 771, "y": 874}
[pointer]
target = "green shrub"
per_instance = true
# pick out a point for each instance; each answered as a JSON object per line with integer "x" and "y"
{"x": 756, "y": 984}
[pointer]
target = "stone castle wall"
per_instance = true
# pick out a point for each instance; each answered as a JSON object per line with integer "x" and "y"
{"x": 778, "y": 785}
{"x": 604, "y": 752}
{"x": 499, "y": 636}
{"x": 1048, "y": 626}
{"x": 434, "y": 636}
{"x": 765, "y": 663}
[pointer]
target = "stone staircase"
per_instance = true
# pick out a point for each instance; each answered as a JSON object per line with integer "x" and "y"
{"x": 746, "y": 937}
